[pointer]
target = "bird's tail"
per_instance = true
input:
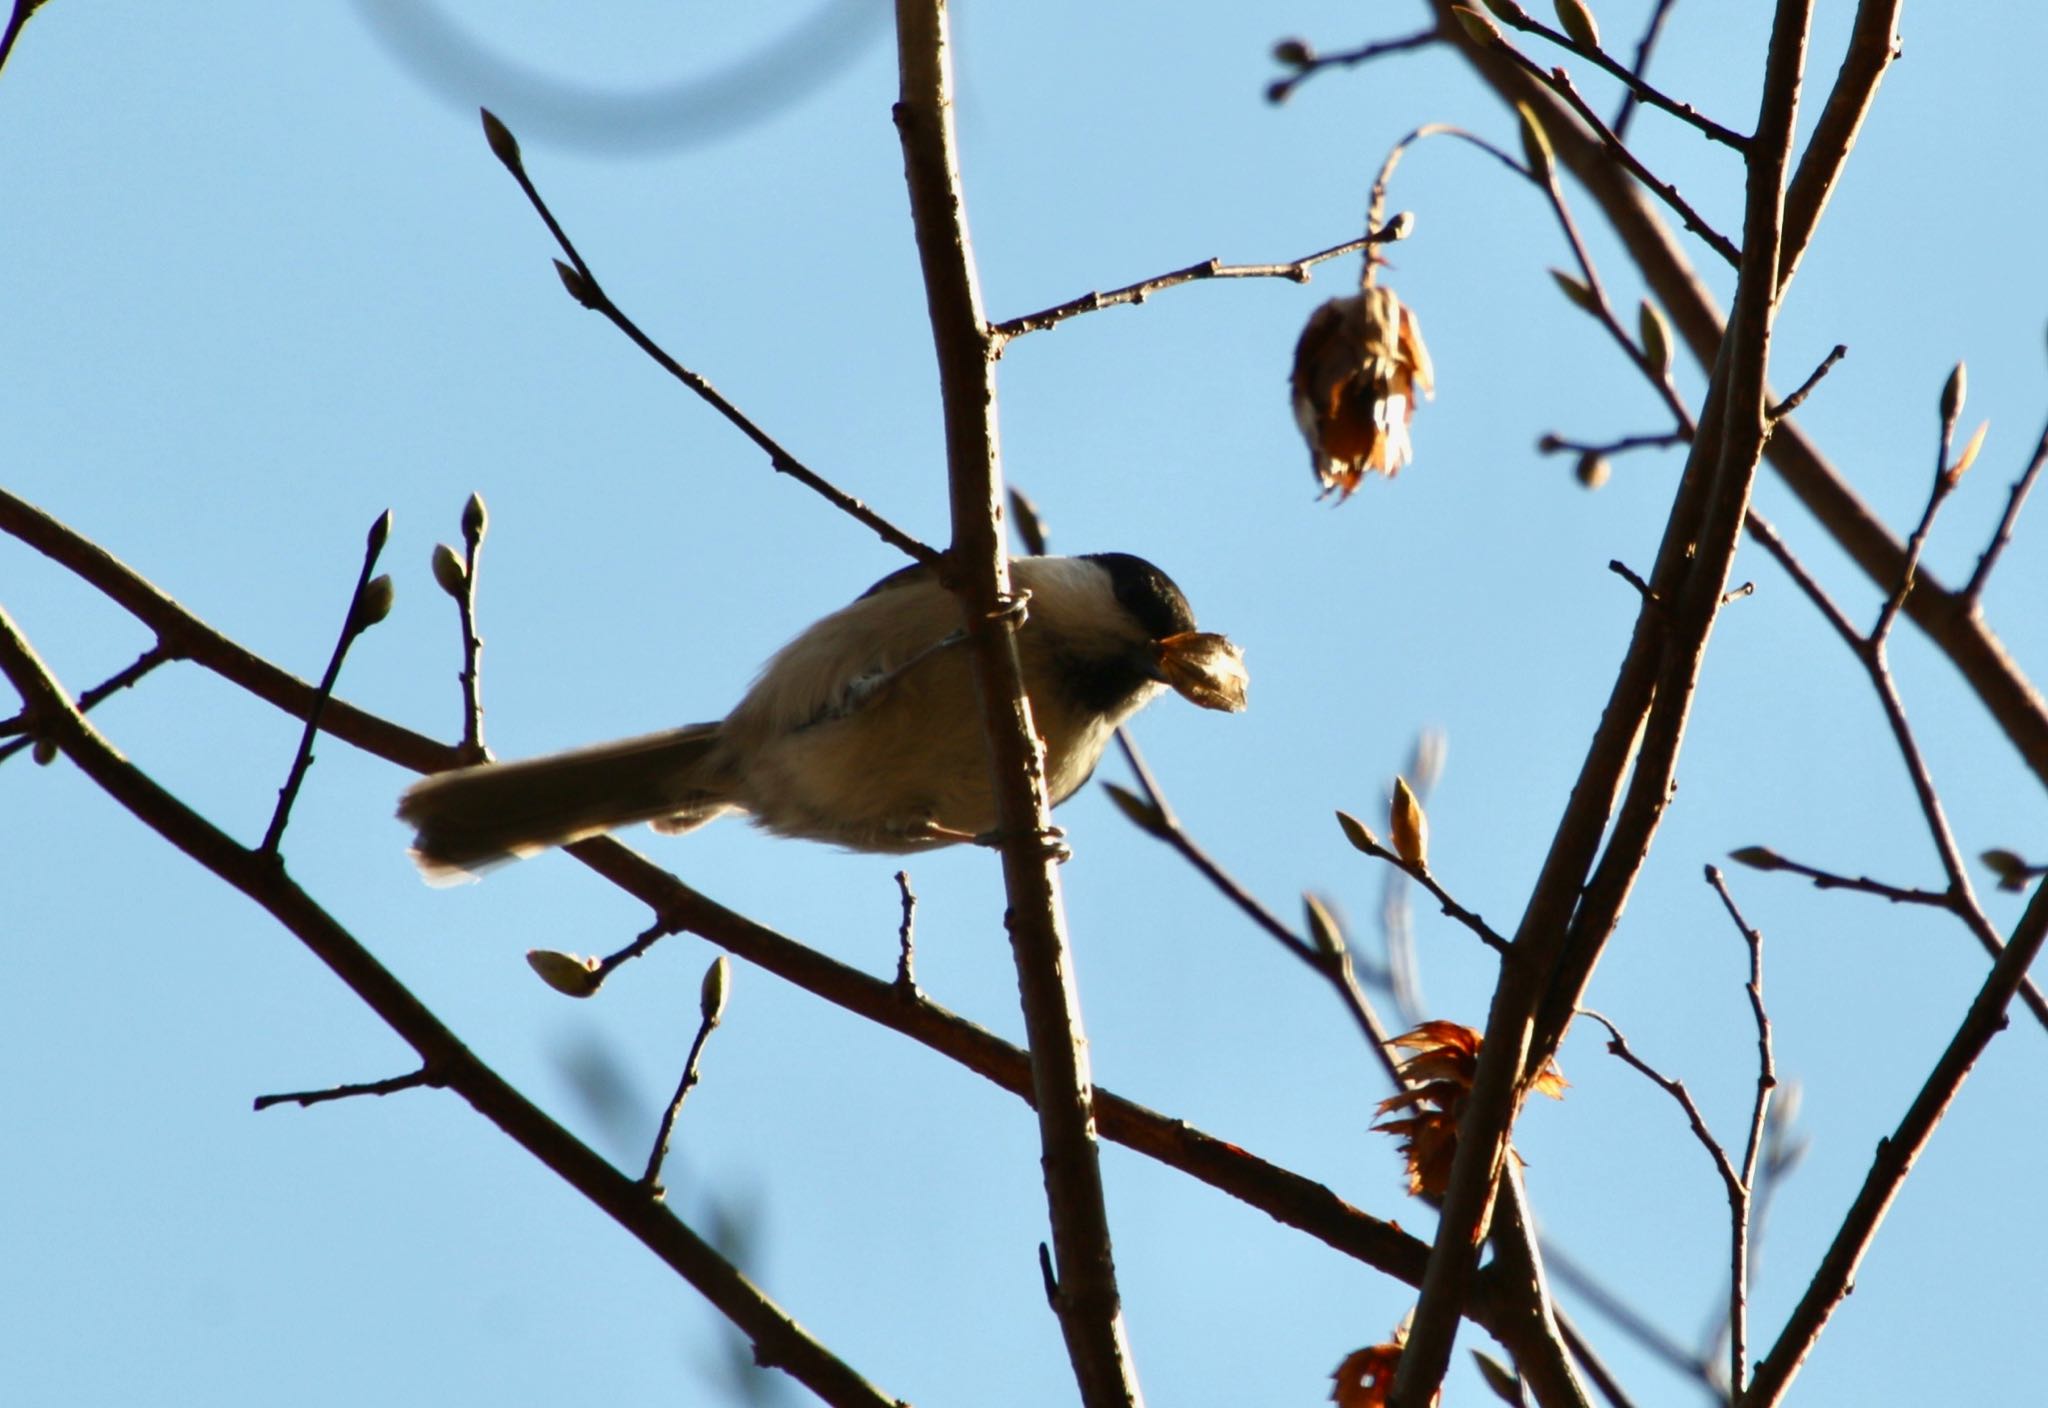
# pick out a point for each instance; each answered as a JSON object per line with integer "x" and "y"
{"x": 474, "y": 817}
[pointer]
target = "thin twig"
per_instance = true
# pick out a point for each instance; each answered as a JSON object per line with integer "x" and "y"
{"x": 1962, "y": 895}
{"x": 475, "y": 522}
{"x": 412, "y": 1080}
{"x": 121, "y": 679}
{"x": 353, "y": 624}
{"x": 711, "y": 1013}
{"x": 1798, "y": 398}
{"x": 1632, "y": 577}
{"x": 1621, "y": 444}
{"x": 1764, "y": 858}
{"x": 1759, "y": 1117}
{"x": 22, "y": 10}
{"x": 1517, "y": 18}
{"x": 1311, "y": 64}
{"x": 1641, "y": 65}
{"x": 1973, "y": 590}
{"x": 584, "y": 287}
{"x": 1296, "y": 270}
{"x": 906, "y": 938}
{"x": 1944, "y": 485}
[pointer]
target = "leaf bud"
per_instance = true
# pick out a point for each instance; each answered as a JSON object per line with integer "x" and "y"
{"x": 1953, "y": 392}
{"x": 578, "y": 286}
{"x": 1410, "y": 825}
{"x": 1592, "y": 470}
{"x": 565, "y": 972}
{"x": 504, "y": 146}
{"x": 1295, "y": 53}
{"x": 1358, "y": 833}
{"x": 1577, "y": 21}
{"x": 1141, "y": 813}
{"x": 1322, "y": 925}
{"x": 1481, "y": 29}
{"x": 711, "y": 995}
{"x": 475, "y": 521}
{"x": 1535, "y": 144}
{"x": 1577, "y": 291}
{"x": 1758, "y": 858}
{"x": 374, "y": 604}
{"x": 449, "y": 572}
{"x": 1656, "y": 338}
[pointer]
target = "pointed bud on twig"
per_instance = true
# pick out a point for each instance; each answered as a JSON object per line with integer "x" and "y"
{"x": 1295, "y": 53}
{"x": 375, "y": 604}
{"x": 1322, "y": 925}
{"x": 1952, "y": 393}
{"x": 1656, "y": 339}
{"x": 379, "y": 532}
{"x": 1358, "y": 833}
{"x": 1758, "y": 858}
{"x": 565, "y": 972}
{"x": 44, "y": 752}
{"x": 475, "y": 520}
{"x": 1509, "y": 11}
{"x": 1576, "y": 291}
{"x": 1592, "y": 470}
{"x": 1142, "y": 814}
{"x": 2012, "y": 870}
{"x": 504, "y": 146}
{"x": 1505, "y": 1383}
{"x": 1535, "y": 144}
{"x": 1969, "y": 455}
{"x": 1397, "y": 229}
{"x": 1577, "y": 21}
{"x": 1030, "y": 525}
{"x": 578, "y": 286}
{"x": 1279, "y": 90}
{"x": 449, "y": 572}
{"x": 711, "y": 995}
{"x": 1481, "y": 29}
{"x": 1409, "y": 825}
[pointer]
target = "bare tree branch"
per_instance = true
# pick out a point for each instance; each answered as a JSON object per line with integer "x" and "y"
{"x": 1896, "y": 1156}
{"x": 1551, "y": 960}
{"x": 1090, "y": 1308}
{"x": 778, "y": 1340}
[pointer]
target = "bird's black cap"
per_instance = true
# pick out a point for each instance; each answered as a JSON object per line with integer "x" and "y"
{"x": 1147, "y": 593}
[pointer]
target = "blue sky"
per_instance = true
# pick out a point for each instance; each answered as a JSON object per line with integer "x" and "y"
{"x": 263, "y": 281}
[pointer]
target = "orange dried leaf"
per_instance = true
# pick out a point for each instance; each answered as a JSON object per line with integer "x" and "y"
{"x": 1358, "y": 367}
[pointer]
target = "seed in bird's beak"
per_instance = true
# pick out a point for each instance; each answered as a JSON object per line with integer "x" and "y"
{"x": 1205, "y": 669}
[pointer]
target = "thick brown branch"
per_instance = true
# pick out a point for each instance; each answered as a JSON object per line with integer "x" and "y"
{"x": 1090, "y": 1308}
{"x": 1551, "y": 962}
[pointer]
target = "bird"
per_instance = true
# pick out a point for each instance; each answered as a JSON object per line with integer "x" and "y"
{"x": 864, "y": 731}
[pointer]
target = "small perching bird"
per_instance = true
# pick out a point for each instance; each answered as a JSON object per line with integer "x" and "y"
{"x": 1358, "y": 367}
{"x": 864, "y": 731}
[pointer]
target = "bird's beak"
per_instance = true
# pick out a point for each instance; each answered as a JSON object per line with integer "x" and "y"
{"x": 1203, "y": 669}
